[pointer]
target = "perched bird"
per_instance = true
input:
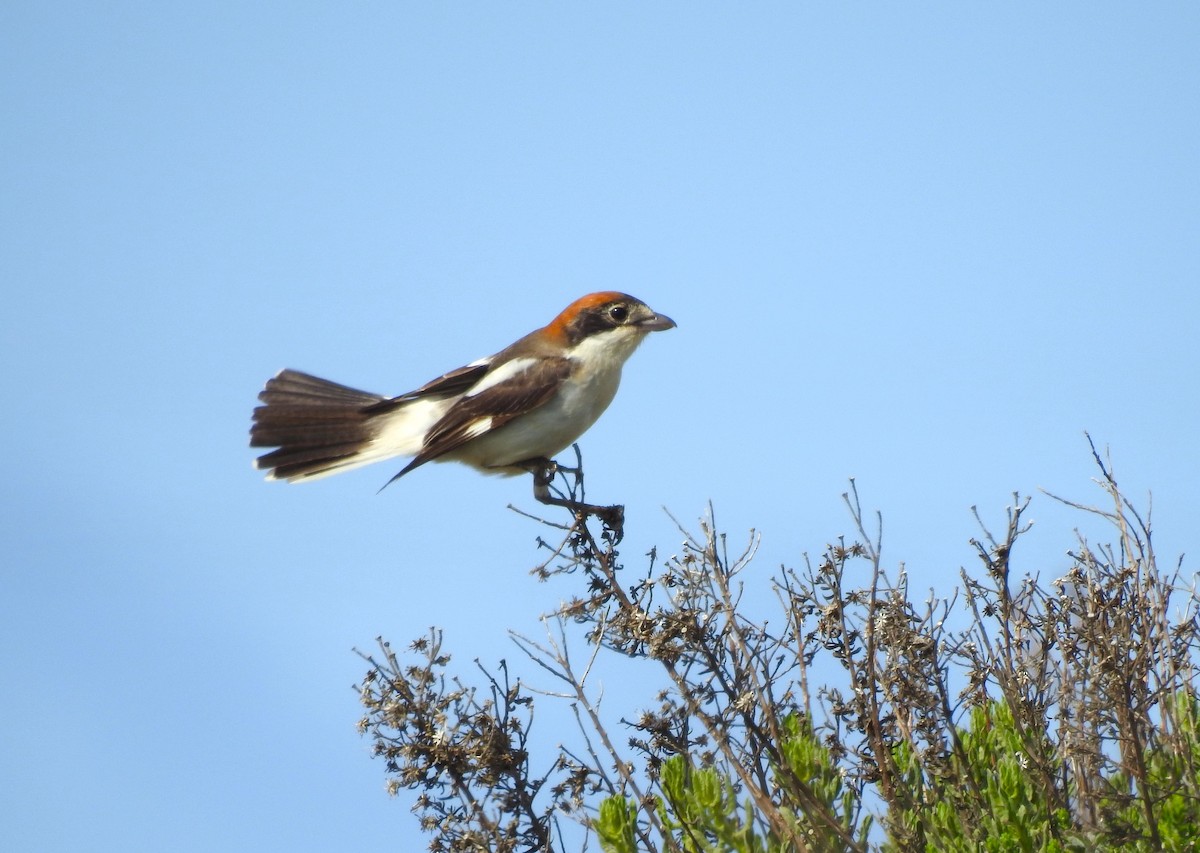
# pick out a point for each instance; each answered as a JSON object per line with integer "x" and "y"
{"x": 505, "y": 414}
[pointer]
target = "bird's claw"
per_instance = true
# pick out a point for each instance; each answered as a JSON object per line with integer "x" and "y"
{"x": 545, "y": 470}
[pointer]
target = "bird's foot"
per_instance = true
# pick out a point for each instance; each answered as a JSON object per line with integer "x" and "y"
{"x": 545, "y": 470}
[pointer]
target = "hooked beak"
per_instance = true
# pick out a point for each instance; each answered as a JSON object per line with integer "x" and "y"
{"x": 656, "y": 323}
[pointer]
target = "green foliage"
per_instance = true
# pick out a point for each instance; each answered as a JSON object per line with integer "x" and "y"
{"x": 989, "y": 800}
{"x": 616, "y": 825}
{"x": 699, "y": 807}
{"x": 1170, "y": 805}
{"x": 808, "y": 763}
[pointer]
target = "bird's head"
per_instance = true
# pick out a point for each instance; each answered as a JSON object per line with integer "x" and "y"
{"x": 613, "y": 321}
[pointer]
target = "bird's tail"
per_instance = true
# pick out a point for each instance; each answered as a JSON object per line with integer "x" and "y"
{"x": 321, "y": 428}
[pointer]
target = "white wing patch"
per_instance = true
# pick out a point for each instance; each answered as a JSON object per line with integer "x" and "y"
{"x": 478, "y": 427}
{"x": 501, "y": 374}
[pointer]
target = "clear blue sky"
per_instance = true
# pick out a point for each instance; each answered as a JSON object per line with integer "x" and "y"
{"x": 924, "y": 245}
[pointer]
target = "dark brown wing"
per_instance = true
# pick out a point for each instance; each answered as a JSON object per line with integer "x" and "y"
{"x": 492, "y": 408}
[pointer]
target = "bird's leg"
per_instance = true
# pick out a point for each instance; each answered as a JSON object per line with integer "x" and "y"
{"x": 576, "y": 472}
{"x": 545, "y": 470}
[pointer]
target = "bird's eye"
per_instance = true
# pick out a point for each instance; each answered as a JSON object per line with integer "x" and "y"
{"x": 619, "y": 313}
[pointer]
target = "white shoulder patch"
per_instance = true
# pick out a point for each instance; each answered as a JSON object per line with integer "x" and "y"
{"x": 501, "y": 374}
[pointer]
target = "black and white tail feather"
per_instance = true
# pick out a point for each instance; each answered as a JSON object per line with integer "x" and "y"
{"x": 319, "y": 427}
